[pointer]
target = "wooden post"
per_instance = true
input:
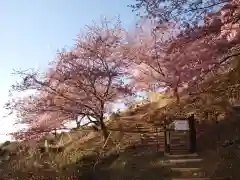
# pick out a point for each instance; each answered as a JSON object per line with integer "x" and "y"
{"x": 141, "y": 137}
{"x": 46, "y": 146}
{"x": 166, "y": 140}
{"x": 157, "y": 136}
{"x": 193, "y": 138}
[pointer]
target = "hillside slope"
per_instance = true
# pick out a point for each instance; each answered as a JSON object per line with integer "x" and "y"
{"x": 123, "y": 156}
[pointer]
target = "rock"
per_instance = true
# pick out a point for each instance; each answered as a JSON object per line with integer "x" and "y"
{"x": 1, "y": 151}
{"x": 5, "y": 156}
{"x": 227, "y": 143}
{"x": 12, "y": 147}
{"x": 37, "y": 165}
{"x": 221, "y": 117}
{"x": 6, "y": 143}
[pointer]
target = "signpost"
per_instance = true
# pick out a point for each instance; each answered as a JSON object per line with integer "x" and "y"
{"x": 185, "y": 126}
{"x": 181, "y": 125}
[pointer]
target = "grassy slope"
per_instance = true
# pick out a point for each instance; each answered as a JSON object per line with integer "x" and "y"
{"x": 220, "y": 147}
{"x": 124, "y": 159}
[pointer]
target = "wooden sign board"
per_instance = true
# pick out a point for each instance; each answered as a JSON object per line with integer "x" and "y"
{"x": 181, "y": 125}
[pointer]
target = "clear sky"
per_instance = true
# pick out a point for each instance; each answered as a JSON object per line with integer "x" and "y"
{"x": 33, "y": 30}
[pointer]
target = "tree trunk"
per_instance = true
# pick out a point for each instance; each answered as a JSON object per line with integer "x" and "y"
{"x": 46, "y": 145}
{"x": 176, "y": 94}
{"x": 78, "y": 124}
{"x": 55, "y": 132}
{"x": 104, "y": 129}
{"x": 102, "y": 124}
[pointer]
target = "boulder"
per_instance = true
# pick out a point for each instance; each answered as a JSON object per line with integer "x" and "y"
{"x": 12, "y": 147}
{"x": 6, "y": 143}
{"x": 5, "y": 155}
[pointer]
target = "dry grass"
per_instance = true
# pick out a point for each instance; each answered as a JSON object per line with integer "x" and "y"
{"x": 122, "y": 158}
{"x": 220, "y": 146}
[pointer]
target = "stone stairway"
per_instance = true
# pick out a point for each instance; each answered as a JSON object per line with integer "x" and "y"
{"x": 151, "y": 136}
{"x": 153, "y": 140}
{"x": 186, "y": 167}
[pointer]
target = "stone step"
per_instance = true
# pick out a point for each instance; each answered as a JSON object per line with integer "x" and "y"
{"x": 188, "y": 155}
{"x": 191, "y": 178}
{"x": 179, "y": 134}
{"x": 179, "y": 152}
{"x": 149, "y": 133}
{"x": 179, "y": 145}
{"x": 153, "y": 136}
{"x": 199, "y": 178}
{"x": 178, "y": 138}
{"x": 190, "y": 172}
{"x": 176, "y": 146}
{"x": 153, "y": 144}
{"x": 179, "y": 148}
{"x": 153, "y": 139}
{"x": 184, "y": 160}
{"x": 188, "y": 169}
{"x": 179, "y": 141}
{"x": 185, "y": 165}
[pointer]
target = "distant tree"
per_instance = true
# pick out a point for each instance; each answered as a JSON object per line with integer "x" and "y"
{"x": 82, "y": 82}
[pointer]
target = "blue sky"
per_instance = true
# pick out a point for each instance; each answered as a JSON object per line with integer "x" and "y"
{"x": 33, "y": 30}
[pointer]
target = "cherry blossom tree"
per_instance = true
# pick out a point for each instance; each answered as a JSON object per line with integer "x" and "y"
{"x": 177, "y": 59}
{"x": 81, "y": 82}
{"x": 183, "y": 12}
